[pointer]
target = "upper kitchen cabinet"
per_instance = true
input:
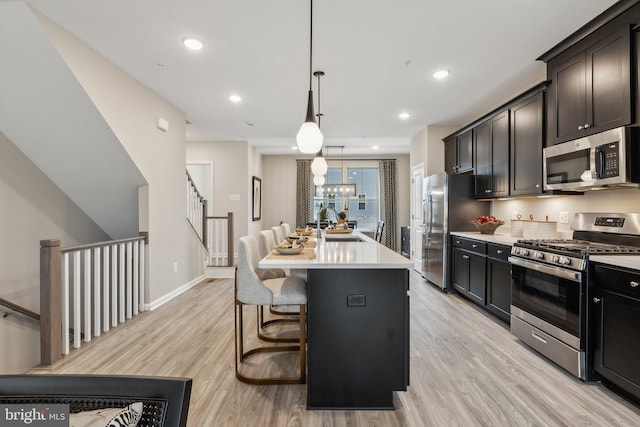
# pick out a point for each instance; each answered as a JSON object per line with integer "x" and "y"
{"x": 458, "y": 153}
{"x": 527, "y": 141}
{"x": 491, "y": 157}
{"x": 590, "y": 86}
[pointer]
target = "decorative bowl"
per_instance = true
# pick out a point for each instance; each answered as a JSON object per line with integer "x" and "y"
{"x": 487, "y": 227}
{"x": 303, "y": 231}
{"x": 297, "y": 238}
{"x": 289, "y": 250}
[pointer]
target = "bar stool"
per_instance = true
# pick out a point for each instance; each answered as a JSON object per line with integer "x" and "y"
{"x": 286, "y": 229}
{"x": 277, "y": 234}
{"x": 250, "y": 290}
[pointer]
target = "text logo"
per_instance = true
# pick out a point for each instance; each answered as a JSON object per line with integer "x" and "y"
{"x": 34, "y": 415}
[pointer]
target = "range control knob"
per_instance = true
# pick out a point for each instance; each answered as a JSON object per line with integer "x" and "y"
{"x": 564, "y": 260}
{"x": 555, "y": 258}
{"x": 524, "y": 252}
{"x": 539, "y": 255}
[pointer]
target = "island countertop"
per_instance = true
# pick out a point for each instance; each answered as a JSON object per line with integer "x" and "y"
{"x": 363, "y": 254}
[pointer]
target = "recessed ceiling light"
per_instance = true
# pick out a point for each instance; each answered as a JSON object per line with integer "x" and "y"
{"x": 404, "y": 116}
{"x": 441, "y": 74}
{"x": 193, "y": 44}
{"x": 235, "y": 98}
{"x": 375, "y": 147}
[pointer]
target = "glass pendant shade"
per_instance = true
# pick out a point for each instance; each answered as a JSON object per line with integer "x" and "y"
{"x": 318, "y": 180}
{"x": 319, "y": 166}
{"x": 309, "y": 137}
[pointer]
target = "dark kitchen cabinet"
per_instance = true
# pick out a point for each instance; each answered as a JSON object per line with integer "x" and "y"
{"x": 527, "y": 142}
{"x": 469, "y": 268}
{"x": 498, "y": 281}
{"x": 615, "y": 333}
{"x": 590, "y": 89}
{"x": 491, "y": 157}
{"x": 458, "y": 153}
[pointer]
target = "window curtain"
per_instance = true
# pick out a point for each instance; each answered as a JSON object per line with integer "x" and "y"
{"x": 304, "y": 192}
{"x": 388, "y": 203}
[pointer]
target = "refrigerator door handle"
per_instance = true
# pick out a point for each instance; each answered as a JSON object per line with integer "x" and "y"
{"x": 430, "y": 201}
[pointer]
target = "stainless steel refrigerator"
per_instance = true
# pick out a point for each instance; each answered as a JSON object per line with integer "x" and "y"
{"x": 448, "y": 205}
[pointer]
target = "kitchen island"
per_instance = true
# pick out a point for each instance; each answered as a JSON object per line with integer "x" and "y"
{"x": 357, "y": 321}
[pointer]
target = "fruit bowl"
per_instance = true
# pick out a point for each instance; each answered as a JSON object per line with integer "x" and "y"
{"x": 486, "y": 226}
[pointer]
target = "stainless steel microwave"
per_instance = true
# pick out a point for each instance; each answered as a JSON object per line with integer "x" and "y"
{"x": 607, "y": 159}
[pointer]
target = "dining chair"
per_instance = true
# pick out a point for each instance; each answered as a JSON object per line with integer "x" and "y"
{"x": 379, "y": 230}
{"x": 277, "y": 234}
{"x": 250, "y": 290}
{"x": 286, "y": 229}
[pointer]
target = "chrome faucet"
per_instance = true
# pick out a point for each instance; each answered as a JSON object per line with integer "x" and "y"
{"x": 324, "y": 208}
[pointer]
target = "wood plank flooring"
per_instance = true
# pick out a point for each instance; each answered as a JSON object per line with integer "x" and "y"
{"x": 466, "y": 370}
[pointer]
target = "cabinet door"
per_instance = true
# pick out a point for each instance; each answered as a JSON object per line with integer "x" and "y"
{"x": 500, "y": 155}
{"x": 567, "y": 100}
{"x": 617, "y": 340}
{"x": 499, "y": 288}
{"x": 460, "y": 271}
{"x": 608, "y": 96}
{"x": 465, "y": 152}
{"x": 477, "y": 279}
{"x": 483, "y": 165}
{"x": 451, "y": 155}
{"x": 527, "y": 142}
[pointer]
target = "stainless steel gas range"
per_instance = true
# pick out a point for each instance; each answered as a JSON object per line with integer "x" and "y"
{"x": 549, "y": 284}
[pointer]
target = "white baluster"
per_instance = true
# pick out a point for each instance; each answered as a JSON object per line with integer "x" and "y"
{"x": 96, "y": 292}
{"x": 143, "y": 264}
{"x": 136, "y": 274}
{"x": 86, "y": 288}
{"x": 77, "y": 328}
{"x": 122, "y": 267}
{"x": 129, "y": 280}
{"x": 114, "y": 286}
{"x": 65, "y": 303}
{"x": 106, "y": 288}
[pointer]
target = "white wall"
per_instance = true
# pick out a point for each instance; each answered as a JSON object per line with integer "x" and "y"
{"x": 607, "y": 201}
{"x": 32, "y": 208}
{"x": 427, "y": 147}
{"x": 131, "y": 110}
{"x": 231, "y": 178}
{"x": 279, "y": 190}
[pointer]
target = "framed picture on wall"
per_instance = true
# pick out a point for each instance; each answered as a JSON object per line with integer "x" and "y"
{"x": 257, "y": 199}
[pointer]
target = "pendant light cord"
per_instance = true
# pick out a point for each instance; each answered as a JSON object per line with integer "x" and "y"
{"x": 310, "y": 46}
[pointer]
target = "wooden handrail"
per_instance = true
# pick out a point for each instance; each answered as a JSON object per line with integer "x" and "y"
{"x": 98, "y": 244}
{"x": 19, "y": 309}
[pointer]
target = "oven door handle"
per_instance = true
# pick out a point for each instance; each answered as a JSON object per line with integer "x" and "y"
{"x": 574, "y": 276}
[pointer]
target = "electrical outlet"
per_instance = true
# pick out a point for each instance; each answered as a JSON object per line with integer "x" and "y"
{"x": 563, "y": 218}
{"x": 175, "y": 267}
{"x": 514, "y": 215}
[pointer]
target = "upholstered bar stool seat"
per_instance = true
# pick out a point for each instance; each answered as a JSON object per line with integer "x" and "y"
{"x": 250, "y": 290}
{"x": 286, "y": 229}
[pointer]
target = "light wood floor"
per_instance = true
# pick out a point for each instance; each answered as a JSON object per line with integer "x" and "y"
{"x": 466, "y": 370}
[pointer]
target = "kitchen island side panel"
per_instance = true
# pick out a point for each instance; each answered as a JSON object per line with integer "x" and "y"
{"x": 358, "y": 337}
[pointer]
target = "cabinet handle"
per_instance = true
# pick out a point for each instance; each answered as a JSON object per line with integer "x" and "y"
{"x": 474, "y": 246}
{"x": 457, "y": 242}
{"x": 487, "y": 191}
{"x": 580, "y": 127}
{"x": 465, "y": 256}
{"x": 538, "y": 337}
{"x": 537, "y": 185}
{"x": 596, "y": 300}
{"x": 634, "y": 284}
{"x": 587, "y": 125}
{"x": 498, "y": 251}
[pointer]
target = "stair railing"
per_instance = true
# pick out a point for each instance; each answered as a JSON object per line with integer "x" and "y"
{"x": 85, "y": 290}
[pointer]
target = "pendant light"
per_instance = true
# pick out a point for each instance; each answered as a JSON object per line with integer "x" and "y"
{"x": 309, "y": 138}
{"x": 319, "y": 166}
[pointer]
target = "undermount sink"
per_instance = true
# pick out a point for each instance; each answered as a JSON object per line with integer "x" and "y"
{"x": 343, "y": 239}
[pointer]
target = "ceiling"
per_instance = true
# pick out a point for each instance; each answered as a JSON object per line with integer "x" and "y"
{"x": 378, "y": 56}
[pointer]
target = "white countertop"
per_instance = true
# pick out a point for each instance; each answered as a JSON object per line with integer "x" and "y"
{"x": 367, "y": 254}
{"x": 628, "y": 261}
{"x": 499, "y": 238}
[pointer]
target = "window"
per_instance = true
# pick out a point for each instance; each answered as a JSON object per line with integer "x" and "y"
{"x": 364, "y": 207}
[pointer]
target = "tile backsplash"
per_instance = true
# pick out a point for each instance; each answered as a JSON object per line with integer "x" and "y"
{"x": 605, "y": 201}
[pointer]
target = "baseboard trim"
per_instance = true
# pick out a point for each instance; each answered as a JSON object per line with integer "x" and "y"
{"x": 171, "y": 295}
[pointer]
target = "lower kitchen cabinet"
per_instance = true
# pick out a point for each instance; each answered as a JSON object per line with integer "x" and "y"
{"x": 615, "y": 333}
{"x": 480, "y": 272}
{"x": 498, "y": 282}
